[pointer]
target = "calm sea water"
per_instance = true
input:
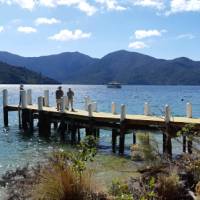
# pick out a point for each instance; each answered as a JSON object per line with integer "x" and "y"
{"x": 17, "y": 149}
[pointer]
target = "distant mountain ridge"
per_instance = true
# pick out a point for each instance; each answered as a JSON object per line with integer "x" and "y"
{"x": 123, "y": 66}
{"x": 16, "y": 75}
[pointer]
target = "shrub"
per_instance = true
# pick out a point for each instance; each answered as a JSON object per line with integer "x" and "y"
{"x": 66, "y": 177}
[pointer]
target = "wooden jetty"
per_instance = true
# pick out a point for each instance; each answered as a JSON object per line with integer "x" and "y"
{"x": 93, "y": 121}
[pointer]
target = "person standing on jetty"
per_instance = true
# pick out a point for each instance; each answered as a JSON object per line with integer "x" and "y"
{"x": 59, "y": 95}
{"x": 21, "y": 88}
{"x": 70, "y": 95}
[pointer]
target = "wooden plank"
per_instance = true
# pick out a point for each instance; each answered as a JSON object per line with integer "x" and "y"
{"x": 131, "y": 120}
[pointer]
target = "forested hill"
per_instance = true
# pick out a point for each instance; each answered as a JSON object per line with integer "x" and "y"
{"x": 122, "y": 66}
{"x": 15, "y": 75}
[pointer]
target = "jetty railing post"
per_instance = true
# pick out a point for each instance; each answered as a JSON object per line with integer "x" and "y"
{"x": 44, "y": 119}
{"x": 113, "y": 108}
{"x": 184, "y": 143}
{"x": 114, "y": 140}
{"x": 90, "y": 110}
{"x": 25, "y": 112}
{"x": 5, "y": 109}
{"x": 134, "y": 137}
{"x": 167, "y": 143}
{"x": 23, "y": 98}
{"x": 146, "y": 109}
{"x": 123, "y": 113}
{"x": 189, "y": 110}
{"x": 29, "y": 97}
{"x": 122, "y": 129}
{"x": 46, "y": 98}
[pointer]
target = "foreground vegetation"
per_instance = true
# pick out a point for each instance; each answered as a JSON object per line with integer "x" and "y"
{"x": 71, "y": 175}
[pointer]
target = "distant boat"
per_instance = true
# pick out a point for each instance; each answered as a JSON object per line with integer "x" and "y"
{"x": 114, "y": 84}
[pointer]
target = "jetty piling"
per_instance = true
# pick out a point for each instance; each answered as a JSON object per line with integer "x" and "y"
{"x": 113, "y": 108}
{"x": 5, "y": 104}
{"x": 189, "y": 110}
{"x": 46, "y": 98}
{"x": 146, "y": 109}
{"x": 93, "y": 120}
{"x": 29, "y": 97}
{"x": 167, "y": 143}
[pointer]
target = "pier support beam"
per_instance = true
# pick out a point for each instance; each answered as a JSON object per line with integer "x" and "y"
{"x": 114, "y": 140}
{"x": 5, "y": 109}
{"x": 44, "y": 124}
{"x": 5, "y": 116}
{"x": 189, "y": 143}
{"x": 184, "y": 143}
{"x": 134, "y": 137}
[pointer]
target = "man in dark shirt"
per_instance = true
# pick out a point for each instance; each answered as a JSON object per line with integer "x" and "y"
{"x": 59, "y": 95}
{"x": 70, "y": 95}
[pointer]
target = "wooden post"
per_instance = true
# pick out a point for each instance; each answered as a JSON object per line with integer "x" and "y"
{"x": 79, "y": 135}
{"x": 44, "y": 124}
{"x": 122, "y": 139}
{"x": 146, "y": 109}
{"x": 90, "y": 110}
{"x": 184, "y": 143}
{"x": 134, "y": 137}
{"x": 189, "y": 110}
{"x": 113, "y": 108}
{"x": 23, "y": 98}
{"x": 29, "y": 97}
{"x": 46, "y": 98}
{"x": 40, "y": 103}
{"x": 122, "y": 129}
{"x": 43, "y": 120}
{"x": 123, "y": 113}
{"x": 5, "y": 97}
{"x": 31, "y": 121}
{"x": 168, "y": 142}
{"x": 189, "y": 143}
{"x": 5, "y": 109}
{"x": 25, "y": 118}
{"x": 167, "y": 114}
{"x": 73, "y": 134}
{"x": 114, "y": 140}
{"x": 55, "y": 125}
{"x": 164, "y": 143}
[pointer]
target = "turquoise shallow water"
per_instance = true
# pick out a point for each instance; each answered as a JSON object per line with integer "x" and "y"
{"x": 17, "y": 149}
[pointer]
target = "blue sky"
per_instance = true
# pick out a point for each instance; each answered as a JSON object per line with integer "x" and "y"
{"x": 160, "y": 28}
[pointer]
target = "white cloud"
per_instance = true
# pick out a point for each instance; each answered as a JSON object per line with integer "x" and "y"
{"x": 186, "y": 36}
{"x": 137, "y": 45}
{"x": 157, "y": 4}
{"x": 87, "y": 8}
{"x": 26, "y": 4}
{"x": 111, "y": 5}
{"x": 66, "y": 35}
{"x": 26, "y": 29}
{"x": 1, "y": 29}
{"x": 140, "y": 34}
{"x": 48, "y": 21}
{"x": 184, "y": 6}
{"x": 82, "y": 5}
